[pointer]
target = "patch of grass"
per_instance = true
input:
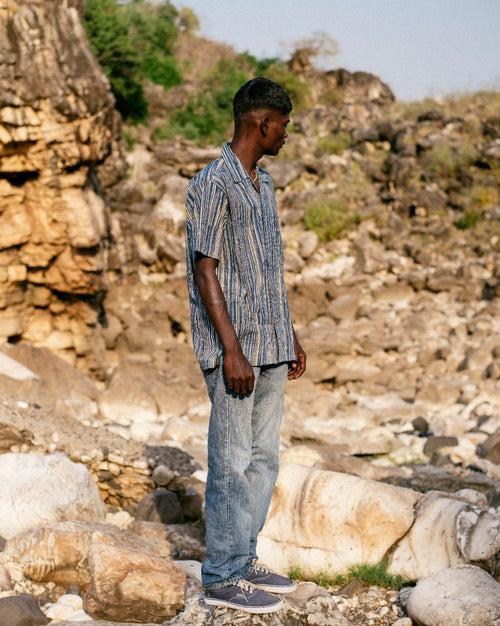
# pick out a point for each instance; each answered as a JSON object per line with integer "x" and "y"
{"x": 483, "y": 196}
{"x": 468, "y": 220}
{"x": 329, "y": 217}
{"x": 129, "y": 140}
{"x": 444, "y": 159}
{"x": 334, "y": 144}
{"x": 376, "y": 575}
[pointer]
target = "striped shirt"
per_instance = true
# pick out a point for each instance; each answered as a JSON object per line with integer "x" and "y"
{"x": 229, "y": 220}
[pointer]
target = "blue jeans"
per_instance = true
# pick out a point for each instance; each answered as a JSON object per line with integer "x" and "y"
{"x": 243, "y": 444}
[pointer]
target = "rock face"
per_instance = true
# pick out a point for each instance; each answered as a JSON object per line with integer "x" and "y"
{"x": 337, "y": 520}
{"x": 57, "y": 122}
{"x": 36, "y": 489}
{"x": 464, "y": 595}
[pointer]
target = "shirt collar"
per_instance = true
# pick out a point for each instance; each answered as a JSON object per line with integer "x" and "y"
{"x": 236, "y": 167}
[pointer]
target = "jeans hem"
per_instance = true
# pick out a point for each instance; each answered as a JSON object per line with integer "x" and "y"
{"x": 223, "y": 583}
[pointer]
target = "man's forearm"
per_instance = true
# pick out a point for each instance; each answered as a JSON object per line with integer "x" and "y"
{"x": 215, "y": 305}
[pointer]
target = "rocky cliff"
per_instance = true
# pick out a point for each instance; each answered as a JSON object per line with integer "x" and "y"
{"x": 57, "y": 126}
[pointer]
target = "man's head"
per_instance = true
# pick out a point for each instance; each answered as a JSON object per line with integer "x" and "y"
{"x": 263, "y": 107}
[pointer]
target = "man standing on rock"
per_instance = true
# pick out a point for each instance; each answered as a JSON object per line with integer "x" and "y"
{"x": 245, "y": 343}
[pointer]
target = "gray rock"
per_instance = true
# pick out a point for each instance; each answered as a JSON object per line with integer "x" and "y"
{"x": 420, "y": 424}
{"x": 464, "y": 595}
{"x": 160, "y": 505}
{"x": 308, "y": 242}
{"x": 450, "y": 479}
{"x": 436, "y": 443}
{"x": 22, "y": 610}
{"x": 162, "y": 475}
{"x": 490, "y": 448}
{"x": 284, "y": 172}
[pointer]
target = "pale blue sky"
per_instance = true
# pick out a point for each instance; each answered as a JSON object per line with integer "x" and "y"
{"x": 419, "y": 47}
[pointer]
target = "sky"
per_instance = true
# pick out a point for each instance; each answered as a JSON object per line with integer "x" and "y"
{"x": 420, "y": 48}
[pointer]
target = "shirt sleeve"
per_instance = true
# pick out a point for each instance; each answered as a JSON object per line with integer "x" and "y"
{"x": 210, "y": 220}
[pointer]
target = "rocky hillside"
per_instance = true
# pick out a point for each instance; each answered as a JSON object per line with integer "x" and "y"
{"x": 390, "y": 216}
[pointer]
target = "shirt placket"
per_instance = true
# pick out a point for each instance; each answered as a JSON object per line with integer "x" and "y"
{"x": 269, "y": 257}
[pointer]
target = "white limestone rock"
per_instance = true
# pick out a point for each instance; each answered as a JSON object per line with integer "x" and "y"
{"x": 37, "y": 489}
{"x": 464, "y": 595}
{"x": 327, "y": 521}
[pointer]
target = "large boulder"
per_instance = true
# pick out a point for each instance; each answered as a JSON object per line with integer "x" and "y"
{"x": 464, "y": 595}
{"x": 123, "y": 577}
{"x": 327, "y": 521}
{"x": 37, "y": 489}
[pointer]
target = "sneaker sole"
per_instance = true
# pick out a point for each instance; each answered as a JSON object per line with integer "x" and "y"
{"x": 248, "y": 609}
{"x": 276, "y": 588}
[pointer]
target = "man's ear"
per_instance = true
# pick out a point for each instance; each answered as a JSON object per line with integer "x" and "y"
{"x": 264, "y": 125}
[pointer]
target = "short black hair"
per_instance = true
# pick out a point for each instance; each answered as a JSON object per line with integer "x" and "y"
{"x": 261, "y": 93}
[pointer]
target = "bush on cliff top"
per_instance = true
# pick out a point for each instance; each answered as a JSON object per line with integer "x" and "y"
{"x": 131, "y": 42}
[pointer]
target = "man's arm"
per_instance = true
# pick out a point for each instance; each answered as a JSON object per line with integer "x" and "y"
{"x": 239, "y": 372}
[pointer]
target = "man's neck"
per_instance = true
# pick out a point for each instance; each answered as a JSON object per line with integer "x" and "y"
{"x": 247, "y": 152}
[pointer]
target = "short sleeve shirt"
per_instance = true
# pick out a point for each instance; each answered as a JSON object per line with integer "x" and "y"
{"x": 229, "y": 220}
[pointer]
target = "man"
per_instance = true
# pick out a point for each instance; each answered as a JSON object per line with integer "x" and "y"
{"x": 245, "y": 344}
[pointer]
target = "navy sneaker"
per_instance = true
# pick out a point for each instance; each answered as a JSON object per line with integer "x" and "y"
{"x": 243, "y": 596}
{"x": 265, "y": 579}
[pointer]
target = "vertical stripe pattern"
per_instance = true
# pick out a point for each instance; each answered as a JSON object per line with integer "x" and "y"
{"x": 229, "y": 220}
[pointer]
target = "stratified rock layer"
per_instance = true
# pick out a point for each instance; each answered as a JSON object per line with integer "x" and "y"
{"x": 57, "y": 122}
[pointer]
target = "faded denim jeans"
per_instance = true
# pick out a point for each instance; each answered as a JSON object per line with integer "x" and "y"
{"x": 243, "y": 444}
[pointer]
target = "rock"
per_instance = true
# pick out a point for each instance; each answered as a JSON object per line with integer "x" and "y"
{"x": 61, "y": 124}
{"x": 370, "y": 255}
{"x": 188, "y": 542}
{"x": 60, "y": 553}
{"x": 420, "y": 553}
{"x": 162, "y": 475}
{"x": 13, "y": 369}
{"x": 420, "y": 424}
{"x": 344, "y": 307}
{"x": 308, "y": 243}
{"x": 160, "y": 505}
{"x": 478, "y": 534}
{"x": 129, "y": 585}
{"x": 5, "y": 580}
{"x": 284, "y": 172}
{"x": 36, "y": 489}
{"x": 325, "y": 504}
{"x": 21, "y": 610}
{"x": 293, "y": 261}
{"x": 490, "y": 448}
{"x": 54, "y": 384}
{"x": 433, "y": 444}
{"x": 450, "y": 479}
{"x": 464, "y": 595}
{"x": 310, "y": 604}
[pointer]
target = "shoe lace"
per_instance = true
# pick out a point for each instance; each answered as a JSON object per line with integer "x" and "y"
{"x": 245, "y": 585}
{"x": 260, "y": 568}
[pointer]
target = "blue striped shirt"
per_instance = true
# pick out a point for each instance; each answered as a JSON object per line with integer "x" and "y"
{"x": 229, "y": 220}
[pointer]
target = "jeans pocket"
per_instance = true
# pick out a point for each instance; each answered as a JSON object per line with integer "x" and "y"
{"x": 210, "y": 376}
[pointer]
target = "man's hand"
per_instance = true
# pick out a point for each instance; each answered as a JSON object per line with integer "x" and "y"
{"x": 297, "y": 367}
{"x": 239, "y": 373}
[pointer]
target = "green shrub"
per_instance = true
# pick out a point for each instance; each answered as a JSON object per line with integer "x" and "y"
{"x": 370, "y": 574}
{"x": 107, "y": 29}
{"x": 334, "y": 144}
{"x": 291, "y": 83}
{"x": 468, "y": 220}
{"x": 208, "y": 115}
{"x": 329, "y": 218}
{"x": 443, "y": 159}
{"x": 131, "y": 42}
